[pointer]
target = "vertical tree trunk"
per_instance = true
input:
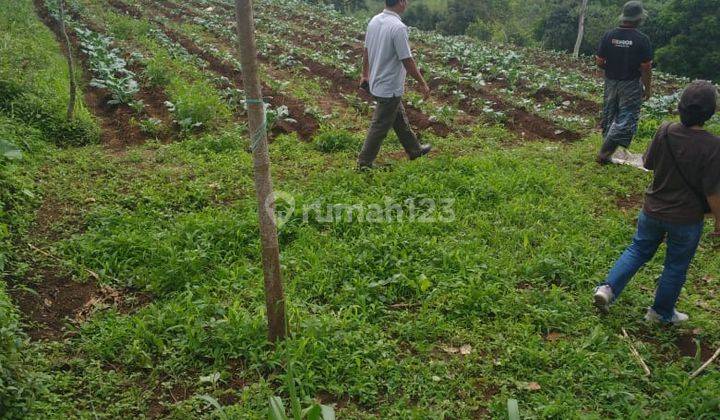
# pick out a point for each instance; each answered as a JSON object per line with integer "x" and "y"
{"x": 274, "y": 297}
{"x": 581, "y": 28}
{"x": 71, "y": 67}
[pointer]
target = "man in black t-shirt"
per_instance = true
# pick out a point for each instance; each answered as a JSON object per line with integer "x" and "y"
{"x": 626, "y": 56}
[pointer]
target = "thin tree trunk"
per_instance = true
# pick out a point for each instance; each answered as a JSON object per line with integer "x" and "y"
{"x": 71, "y": 67}
{"x": 274, "y": 297}
{"x": 581, "y": 28}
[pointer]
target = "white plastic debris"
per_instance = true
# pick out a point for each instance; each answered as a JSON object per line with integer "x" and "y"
{"x": 625, "y": 157}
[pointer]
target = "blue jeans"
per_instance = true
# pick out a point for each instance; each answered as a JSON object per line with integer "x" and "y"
{"x": 682, "y": 244}
{"x": 621, "y": 111}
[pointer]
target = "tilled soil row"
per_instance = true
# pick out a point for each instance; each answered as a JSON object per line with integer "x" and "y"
{"x": 578, "y": 104}
{"x": 117, "y": 131}
{"x": 524, "y": 123}
{"x": 305, "y": 125}
{"x": 340, "y": 84}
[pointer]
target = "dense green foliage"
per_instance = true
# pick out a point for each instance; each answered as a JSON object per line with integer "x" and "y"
{"x": 29, "y": 87}
{"x": 683, "y": 29}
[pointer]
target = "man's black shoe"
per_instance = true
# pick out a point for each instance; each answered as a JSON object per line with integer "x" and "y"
{"x": 424, "y": 150}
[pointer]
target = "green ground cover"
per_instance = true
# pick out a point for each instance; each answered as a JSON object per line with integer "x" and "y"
{"x": 376, "y": 310}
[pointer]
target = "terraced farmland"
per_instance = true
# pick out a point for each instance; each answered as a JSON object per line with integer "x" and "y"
{"x": 131, "y": 279}
{"x": 311, "y": 63}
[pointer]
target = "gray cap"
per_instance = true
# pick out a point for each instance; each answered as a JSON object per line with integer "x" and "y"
{"x": 633, "y": 11}
{"x": 698, "y": 102}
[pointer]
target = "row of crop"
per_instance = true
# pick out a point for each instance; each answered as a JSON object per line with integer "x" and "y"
{"x": 109, "y": 70}
{"x": 518, "y": 69}
{"x": 194, "y": 99}
{"x": 341, "y": 50}
{"x": 273, "y": 46}
{"x": 283, "y": 110}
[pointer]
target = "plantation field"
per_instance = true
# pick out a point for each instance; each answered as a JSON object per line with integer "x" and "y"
{"x": 132, "y": 285}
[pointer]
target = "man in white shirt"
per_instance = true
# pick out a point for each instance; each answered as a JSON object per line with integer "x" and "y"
{"x": 387, "y": 59}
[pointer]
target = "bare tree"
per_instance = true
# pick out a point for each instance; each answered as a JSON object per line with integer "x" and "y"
{"x": 71, "y": 67}
{"x": 581, "y": 28}
{"x": 274, "y": 296}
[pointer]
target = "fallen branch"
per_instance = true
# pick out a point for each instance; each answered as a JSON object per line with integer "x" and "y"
{"x": 705, "y": 365}
{"x": 635, "y": 353}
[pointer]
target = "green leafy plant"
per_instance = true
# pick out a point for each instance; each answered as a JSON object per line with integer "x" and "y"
{"x": 335, "y": 140}
{"x": 152, "y": 126}
{"x": 313, "y": 411}
{"x": 109, "y": 69}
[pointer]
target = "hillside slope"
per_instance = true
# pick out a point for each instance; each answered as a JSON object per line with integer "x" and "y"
{"x": 134, "y": 262}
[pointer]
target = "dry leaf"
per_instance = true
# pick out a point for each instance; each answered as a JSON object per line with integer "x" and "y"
{"x": 533, "y": 386}
{"x": 466, "y": 349}
{"x": 451, "y": 350}
{"x": 47, "y": 302}
{"x": 554, "y": 336}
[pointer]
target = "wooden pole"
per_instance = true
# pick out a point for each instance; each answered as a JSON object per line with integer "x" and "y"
{"x": 581, "y": 28}
{"x": 71, "y": 67}
{"x": 274, "y": 296}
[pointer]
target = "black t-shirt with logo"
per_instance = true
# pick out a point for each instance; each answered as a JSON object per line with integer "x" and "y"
{"x": 624, "y": 50}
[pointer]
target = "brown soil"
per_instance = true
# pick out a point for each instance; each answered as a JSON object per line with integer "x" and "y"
{"x": 685, "y": 343}
{"x": 57, "y": 302}
{"x": 338, "y": 402}
{"x": 130, "y": 10}
{"x": 632, "y": 202}
{"x": 577, "y": 105}
{"x": 117, "y": 130}
{"x": 527, "y": 125}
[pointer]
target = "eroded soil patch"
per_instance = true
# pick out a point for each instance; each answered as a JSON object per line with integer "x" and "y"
{"x": 631, "y": 202}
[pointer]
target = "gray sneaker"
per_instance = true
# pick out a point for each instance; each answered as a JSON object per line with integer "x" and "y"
{"x": 678, "y": 317}
{"x": 603, "y": 297}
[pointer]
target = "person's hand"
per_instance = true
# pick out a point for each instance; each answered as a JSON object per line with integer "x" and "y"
{"x": 365, "y": 83}
{"x": 425, "y": 90}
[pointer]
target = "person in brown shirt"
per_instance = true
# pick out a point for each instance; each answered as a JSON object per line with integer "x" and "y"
{"x": 685, "y": 160}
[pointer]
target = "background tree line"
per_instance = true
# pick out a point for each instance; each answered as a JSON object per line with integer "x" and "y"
{"x": 683, "y": 32}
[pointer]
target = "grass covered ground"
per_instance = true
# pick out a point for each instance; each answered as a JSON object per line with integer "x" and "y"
{"x": 162, "y": 239}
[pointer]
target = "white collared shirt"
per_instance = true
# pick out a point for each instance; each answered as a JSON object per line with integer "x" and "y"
{"x": 388, "y": 43}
